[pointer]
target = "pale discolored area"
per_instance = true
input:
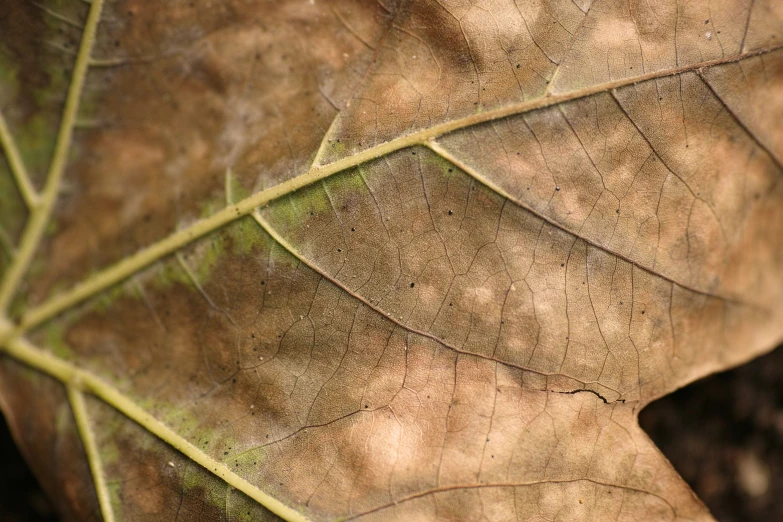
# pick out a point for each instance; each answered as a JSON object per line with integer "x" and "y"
{"x": 734, "y": 180}
{"x": 530, "y": 51}
{"x": 36, "y": 409}
{"x": 659, "y": 173}
{"x": 621, "y": 39}
{"x": 765, "y": 26}
{"x": 443, "y": 255}
{"x": 337, "y": 411}
{"x": 751, "y": 91}
{"x": 446, "y": 60}
{"x": 151, "y": 482}
{"x": 180, "y": 92}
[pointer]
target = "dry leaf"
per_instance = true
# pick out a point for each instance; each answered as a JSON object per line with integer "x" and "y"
{"x": 385, "y": 260}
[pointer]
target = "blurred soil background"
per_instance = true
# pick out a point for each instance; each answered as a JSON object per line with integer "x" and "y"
{"x": 724, "y": 434}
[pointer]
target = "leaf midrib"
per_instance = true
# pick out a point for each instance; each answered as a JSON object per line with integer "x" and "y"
{"x": 81, "y": 380}
{"x": 145, "y": 257}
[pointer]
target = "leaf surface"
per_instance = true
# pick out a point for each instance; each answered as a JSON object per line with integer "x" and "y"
{"x": 380, "y": 260}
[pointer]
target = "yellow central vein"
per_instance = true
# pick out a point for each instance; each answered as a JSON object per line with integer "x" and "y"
{"x": 83, "y": 380}
{"x": 143, "y": 258}
{"x": 39, "y": 218}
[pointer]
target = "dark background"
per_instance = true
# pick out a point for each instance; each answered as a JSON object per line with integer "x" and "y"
{"x": 724, "y": 434}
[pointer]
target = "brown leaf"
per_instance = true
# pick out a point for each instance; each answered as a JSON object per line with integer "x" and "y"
{"x": 380, "y": 260}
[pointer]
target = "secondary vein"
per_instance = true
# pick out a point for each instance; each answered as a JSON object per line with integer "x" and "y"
{"x": 39, "y": 218}
{"x": 143, "y": 258}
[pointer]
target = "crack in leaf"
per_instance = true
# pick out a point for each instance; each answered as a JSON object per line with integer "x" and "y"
{"x": 290, "y": 248}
